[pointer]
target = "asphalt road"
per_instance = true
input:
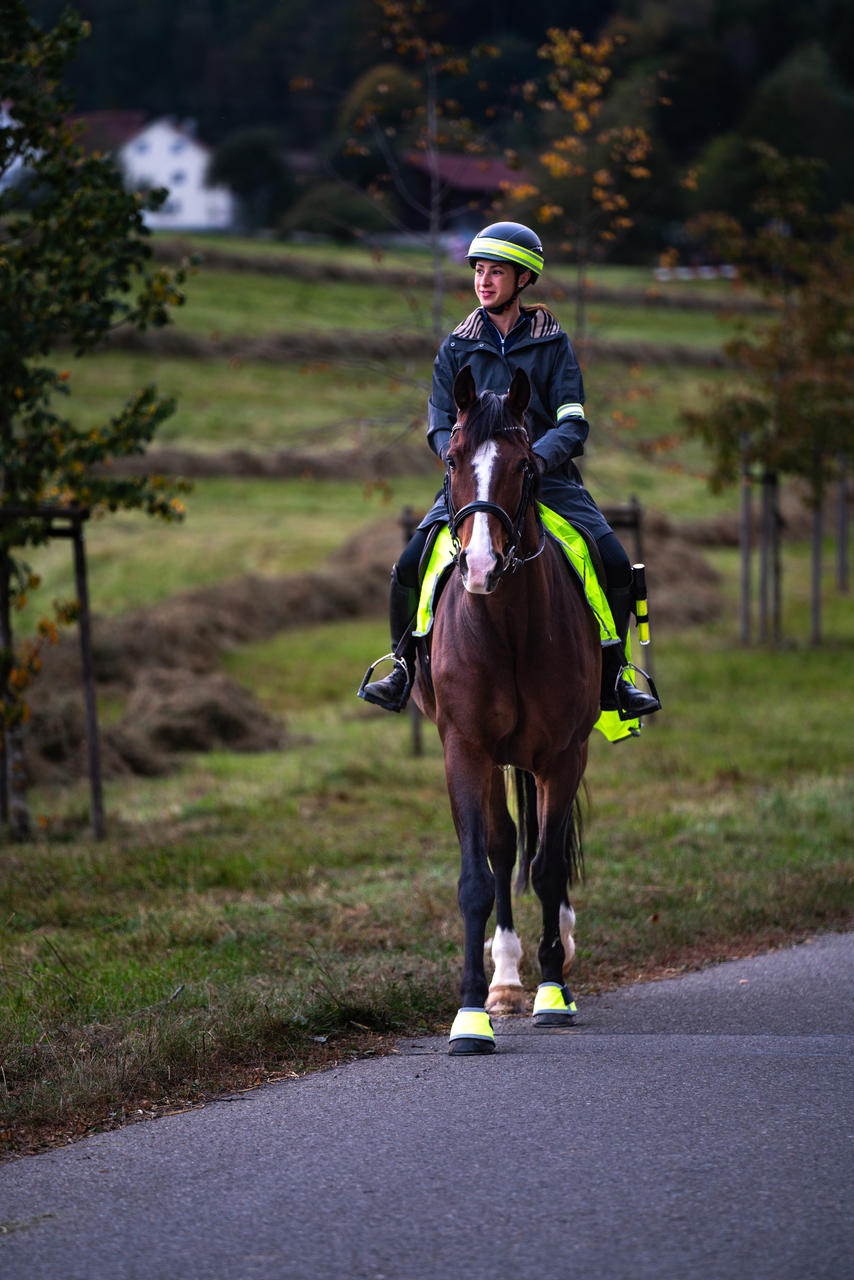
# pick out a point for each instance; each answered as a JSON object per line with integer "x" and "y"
{"x": 700, "y": 1127}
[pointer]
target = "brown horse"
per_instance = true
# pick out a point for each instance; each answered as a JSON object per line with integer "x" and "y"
{"x": 514, "y": 678}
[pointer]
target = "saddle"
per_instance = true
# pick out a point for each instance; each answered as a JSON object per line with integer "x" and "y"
{"x": 576, "y": 543}
{"x": 583, "y": 559}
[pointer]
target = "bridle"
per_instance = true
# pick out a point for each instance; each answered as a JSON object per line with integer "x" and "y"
{"x": 513, "y": 527}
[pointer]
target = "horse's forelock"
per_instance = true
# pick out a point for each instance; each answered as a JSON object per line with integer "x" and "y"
{"x": 491, "y": 416}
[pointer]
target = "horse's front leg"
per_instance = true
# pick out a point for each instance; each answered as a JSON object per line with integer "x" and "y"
{"x": 469, "y": 775}
{"x": 506, "y": 993}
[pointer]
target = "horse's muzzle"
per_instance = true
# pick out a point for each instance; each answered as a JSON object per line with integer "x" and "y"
{"x": 481, "y": 577}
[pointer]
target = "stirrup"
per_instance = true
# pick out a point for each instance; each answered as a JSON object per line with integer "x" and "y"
{"x": 386, "y": 703}
{"x": 622, "y": 686}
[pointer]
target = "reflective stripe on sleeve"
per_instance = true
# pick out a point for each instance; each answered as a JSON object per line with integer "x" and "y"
{"x": 570, "y": 411}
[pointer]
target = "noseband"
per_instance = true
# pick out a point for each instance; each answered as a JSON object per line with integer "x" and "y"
{"x": 513, "y": 527}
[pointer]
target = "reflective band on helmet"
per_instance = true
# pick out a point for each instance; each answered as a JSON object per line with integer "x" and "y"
{"x": 503, "y": 249}
{"x": 570, "y": 411}
{"x": 551, "y": 997}
{"x": 472, "y": 1024}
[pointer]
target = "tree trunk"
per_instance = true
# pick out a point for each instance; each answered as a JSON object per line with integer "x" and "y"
{"x": 815, "y": 589}
{"x": 842, "y": 527}
{"x": 745, "y": 538}
{"x": 776, "y": 544}
{"x": 770, "y": 569}
{"x": 435, "y": 205}
{"x": 85, "y": 627}
{"x": 5, "y": 655}
{"x": 764, "y": 559}
{"x": 580, "y": 298}
{"x": 15, "y": 781}
{"x": 583, "y": 251}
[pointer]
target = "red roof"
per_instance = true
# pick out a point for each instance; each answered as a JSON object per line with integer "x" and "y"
{"x": 108, "y": 130}
{"x": 469, "y": 172}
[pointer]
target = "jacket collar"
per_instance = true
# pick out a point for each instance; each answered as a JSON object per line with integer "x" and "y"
{"x": 543, "y": 325}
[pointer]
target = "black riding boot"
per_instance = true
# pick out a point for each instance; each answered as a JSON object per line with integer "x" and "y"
{"x": 393, "y": 691}
{"x": 632, "y": 702}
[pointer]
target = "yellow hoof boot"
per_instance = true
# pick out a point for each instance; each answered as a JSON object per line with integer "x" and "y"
{"x": 554, "y": 1006}
{"x": 471, "y": 1033}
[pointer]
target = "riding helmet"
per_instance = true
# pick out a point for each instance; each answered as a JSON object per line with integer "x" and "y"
{"x": 508, "y": 242}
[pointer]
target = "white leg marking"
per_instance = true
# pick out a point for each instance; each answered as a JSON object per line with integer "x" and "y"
{"x": 567, "y": 924}
{"x": 480, "y": 557}
{"x": 506, "y": 954}
{"x": 506, "y": 993}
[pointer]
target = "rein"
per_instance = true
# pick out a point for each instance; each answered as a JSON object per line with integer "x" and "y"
{"x": 513, "y": 527}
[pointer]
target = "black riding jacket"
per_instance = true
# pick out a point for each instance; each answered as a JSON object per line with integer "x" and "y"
{"x": 536, "y": 344}
{"x": 555, "y": 416}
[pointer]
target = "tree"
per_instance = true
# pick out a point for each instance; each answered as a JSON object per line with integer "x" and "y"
{"x": 788, "y": 408}
{"x": 74, "y": 264}
{"x": 593, "y": 158}
{"x": 433, "y": 123}
{"x": 250, "y": 162}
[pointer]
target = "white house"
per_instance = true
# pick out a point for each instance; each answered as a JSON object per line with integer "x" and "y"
{"x": 10, "y": 175}
{"x": 157, "y": 154}
{"x": 162, "y": 154}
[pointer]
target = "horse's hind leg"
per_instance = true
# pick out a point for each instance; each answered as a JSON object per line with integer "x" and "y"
{"x": 566, "y": 924}
{"x": 553, "y": 1004}
{"x": 506, "y": 993}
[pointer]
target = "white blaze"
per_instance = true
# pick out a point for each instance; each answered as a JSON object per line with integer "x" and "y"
{"x": 480, "y": 557}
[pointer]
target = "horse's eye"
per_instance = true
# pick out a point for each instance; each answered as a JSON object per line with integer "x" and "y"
{"x": 452, "y": 465}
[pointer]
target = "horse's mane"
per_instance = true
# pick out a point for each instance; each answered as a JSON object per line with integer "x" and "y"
{"x": 491, "y": 416}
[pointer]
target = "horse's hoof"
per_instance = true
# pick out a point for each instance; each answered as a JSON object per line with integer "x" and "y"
{"x": 506, "y": 998}
{"x": 471, "y": 1033}
{"x": 554, "y": 1019}
{"x": 465, "y": 1046}
{"x": 554, "y": 1006}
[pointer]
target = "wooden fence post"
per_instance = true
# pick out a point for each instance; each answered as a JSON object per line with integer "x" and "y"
{"x": 59, "y": 522}
{"x": 93, "y": 745}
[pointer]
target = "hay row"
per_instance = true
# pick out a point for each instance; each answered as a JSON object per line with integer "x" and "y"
{"x": 300, "y": 268}
{"x": 344, "y": 346}
{"x": 163, "y": 663}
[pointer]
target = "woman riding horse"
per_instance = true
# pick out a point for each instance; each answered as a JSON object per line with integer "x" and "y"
{"x": 497, "y": 339}
{"x": 512, "y": 685}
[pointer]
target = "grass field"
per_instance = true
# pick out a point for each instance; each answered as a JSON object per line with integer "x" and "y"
{"x": 227, "y": 404}
{"x": 255, "y": 915}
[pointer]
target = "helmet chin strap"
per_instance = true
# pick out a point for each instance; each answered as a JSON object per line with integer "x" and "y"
{"x": 505, "y": 306}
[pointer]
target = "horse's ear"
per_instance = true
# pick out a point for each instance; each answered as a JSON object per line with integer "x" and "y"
{"x": 519, "y": 395}
{"x": 465, "y": 392}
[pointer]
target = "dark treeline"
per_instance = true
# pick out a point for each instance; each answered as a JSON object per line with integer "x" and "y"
{"x": 228, "y": 64}
{"x": 735, "y": 69}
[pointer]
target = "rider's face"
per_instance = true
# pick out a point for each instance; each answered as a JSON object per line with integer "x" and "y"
{"x": 495, "y": 282}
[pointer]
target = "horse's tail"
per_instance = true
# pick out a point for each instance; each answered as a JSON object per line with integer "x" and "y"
{"x": 527, "y": 832}
{"x": 574, "y": 848}
{"x": 527, "y": 829}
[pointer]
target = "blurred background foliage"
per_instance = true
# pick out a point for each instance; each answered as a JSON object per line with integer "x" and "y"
{"x": 726, "y": 74}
